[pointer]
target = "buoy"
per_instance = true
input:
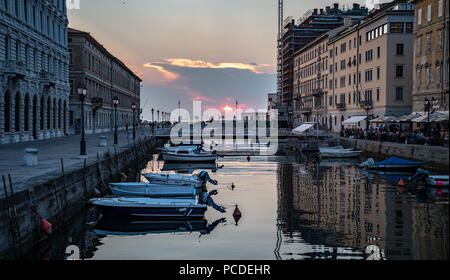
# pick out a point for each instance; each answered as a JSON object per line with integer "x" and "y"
{"x": 237, "y": 212}
{"x": 401, "y": 183}
{"x": 439, "y": 183}
{"x": 439, "y": 191}
{"x": 232, "y": 186}
{"x": 46, "y": 226}
{"x": 401, "y": 190}
{"x": 237, "y": 215}
{"x": 248, "y": 158}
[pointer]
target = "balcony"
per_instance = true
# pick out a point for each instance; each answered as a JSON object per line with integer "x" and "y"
{"x": 317, "y": 92}
{"x": 47, "y": 78}
{"x": 305, "y": 111}
{"x": 340, "y": 106}
{"x": 13, "y": 68}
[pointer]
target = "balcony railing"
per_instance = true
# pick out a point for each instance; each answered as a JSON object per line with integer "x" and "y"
{"x": 340, "y": 106}
{"x": 13, "y": 67}
{"x": 47, "y": 78}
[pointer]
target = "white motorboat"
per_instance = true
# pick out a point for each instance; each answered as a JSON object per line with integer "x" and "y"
{"x": 154, "y": 190}
{"x": 180, "y": 148}
{"x": 188, "y": 156}
{"x": 146, "y": 207}
{"x": 338, "y": 152}
{"x": 165, "y": 178}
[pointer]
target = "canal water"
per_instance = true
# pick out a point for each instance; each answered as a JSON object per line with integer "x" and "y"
{"x": 293, "y": 207}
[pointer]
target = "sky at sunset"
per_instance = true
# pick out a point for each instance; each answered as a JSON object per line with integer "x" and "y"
{"x": 217, "y": 51}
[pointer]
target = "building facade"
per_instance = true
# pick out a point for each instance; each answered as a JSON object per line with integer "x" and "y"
{"x": 298, "y": 34}
{"x": 34, "y": 70}
{"x": 371, "y": 68}
{"x": 105, "y": 77}
{"x": 431, "y": 53}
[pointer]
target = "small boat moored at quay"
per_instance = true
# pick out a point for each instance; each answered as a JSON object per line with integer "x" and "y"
{"x": 197, "y": 155}
{"x": 165, "y": 178}
{"x": 145, "y": 207}
{"x": 338, "y": 152}
{"x": 154, "y": 190}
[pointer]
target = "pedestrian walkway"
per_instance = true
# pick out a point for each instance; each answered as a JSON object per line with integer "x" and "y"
{"x": 51, "y": 151}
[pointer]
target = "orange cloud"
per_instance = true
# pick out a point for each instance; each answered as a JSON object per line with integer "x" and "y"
{"x": 167, "y": 75}
{"x": 184, "y": 62}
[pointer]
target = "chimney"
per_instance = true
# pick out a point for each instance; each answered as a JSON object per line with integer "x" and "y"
{"x": 327, "y": 9}
{"x": 336, "y": 6}
{"x": 315, "y": 12}
{"x": 321, "y": 11}
{"x": 355, "y": 6}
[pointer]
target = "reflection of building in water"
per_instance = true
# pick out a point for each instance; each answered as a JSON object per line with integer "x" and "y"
{"x": 429, "y": 222}
{"x": 334, "y": 199}
{"x": 336, "y": 206}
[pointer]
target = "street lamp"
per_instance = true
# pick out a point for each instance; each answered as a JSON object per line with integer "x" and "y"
{"x": 82, "y": 92}
{"x": 133, "y": 105}
{"x": 115, "y": 102}
{"x": 428, "y": 105}
{"x": 153, "y": 111}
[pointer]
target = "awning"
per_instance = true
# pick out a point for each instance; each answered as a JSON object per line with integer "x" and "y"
{"x": 304, "y": 127}
{"x": 354, "y": 120}
{"x": 434, "y": 117}
{"x": 384, "y": 119}
{"x": 408, "y": 118}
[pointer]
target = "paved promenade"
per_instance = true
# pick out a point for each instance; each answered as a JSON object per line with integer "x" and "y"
{"x": 50, "y": 153}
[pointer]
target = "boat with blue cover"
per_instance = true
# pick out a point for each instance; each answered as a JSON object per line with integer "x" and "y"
{"x": 154, "y": 190}
{"x": 392, "y": 163}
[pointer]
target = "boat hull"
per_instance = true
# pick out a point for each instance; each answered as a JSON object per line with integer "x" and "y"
{"x": 153, "y": 190}
{"x": 150, "y": 208}
{"x": 188, "y": 158}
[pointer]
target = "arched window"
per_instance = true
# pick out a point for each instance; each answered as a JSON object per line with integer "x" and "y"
{"x": 26, "y": 113}
{"x": 54, "y": 113}
{"x": 59, "y": 114}
{"x": 17, "y": 113}
{"x": 41, "y": 127}
{"x": 7, "y": 111}
{"x": 49, "y": 110}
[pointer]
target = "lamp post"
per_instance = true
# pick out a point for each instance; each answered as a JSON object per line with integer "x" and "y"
{"x": 82, "y": 92}
{"x": 133, "y": 106}
{"x": 153, "y": 118}
{"x": 428, "y": 105}
{"x": 115, "y": 102}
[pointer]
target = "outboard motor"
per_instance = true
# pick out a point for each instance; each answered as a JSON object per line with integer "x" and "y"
{"x": 205, "y": 177}
{"x": 206, "y": 198}
{"x": 367, "y": 163}
{"x": 420, "y": 176}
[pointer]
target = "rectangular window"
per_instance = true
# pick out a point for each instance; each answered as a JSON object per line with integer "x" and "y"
{"x": 378, "y": 73}
{"x": 440, "y": 8}
{"x": 398, "y": 93}
{"x": 419, "y": 46}
{"x": 419, "y": 16}
{"x": 396, "y": 27}
{"x": 378, "y": 52}
{"x": 378, "y": 94}
{"x": 438, "y": 74}
{"x": 439, "y": 40}
{"x": 399, "y": 49}
{"x": 427, "y": 76}
{"x": 429, "y": 42}
{"x": 399, "y": 71}
{"x": 408, "y": 27}
{"x": 429, "y": 13}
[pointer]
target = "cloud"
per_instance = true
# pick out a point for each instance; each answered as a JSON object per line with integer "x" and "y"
{"x": 167, "y": 75}
{"x": 184, "y": 62}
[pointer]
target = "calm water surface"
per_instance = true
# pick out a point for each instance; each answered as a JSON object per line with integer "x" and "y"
{"x": 291, "y": 208}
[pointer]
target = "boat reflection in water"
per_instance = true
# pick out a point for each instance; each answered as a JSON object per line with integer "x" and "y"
{"x": 342, "y": 213}
{"x": 128, "y": 227}
{"x": 188, "y": 168}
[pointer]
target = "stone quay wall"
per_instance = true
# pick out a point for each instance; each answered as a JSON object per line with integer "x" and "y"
{"x": 57, "y": 199}
{"x": 433, "y": 155}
